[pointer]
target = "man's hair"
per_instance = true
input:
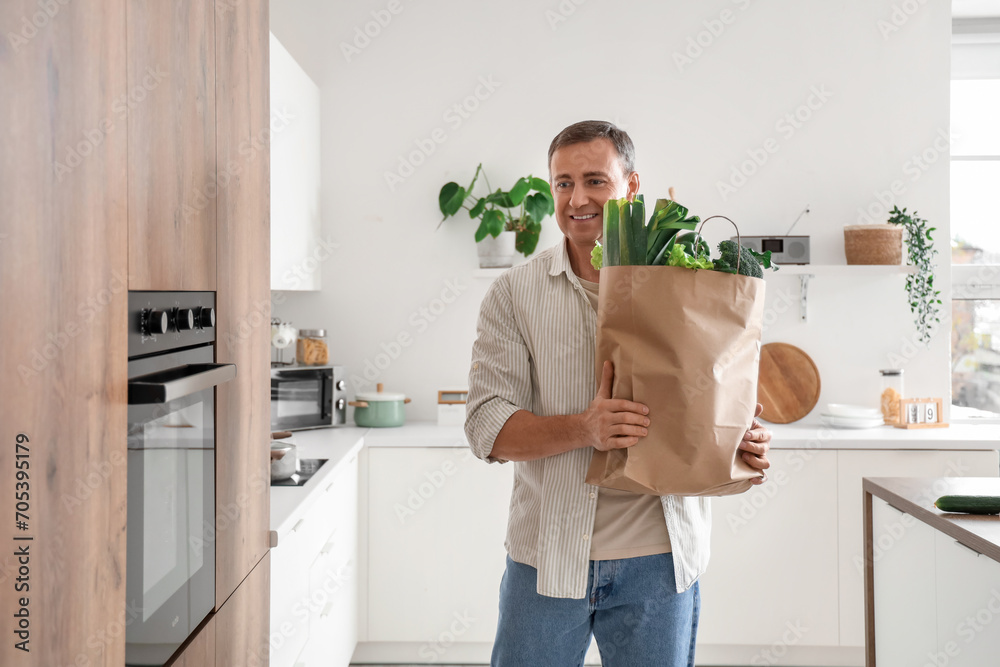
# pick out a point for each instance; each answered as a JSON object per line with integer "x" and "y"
{"x": 589, "y": 130}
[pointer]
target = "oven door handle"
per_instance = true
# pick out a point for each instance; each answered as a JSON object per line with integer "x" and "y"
{"x": 178, "y": 382}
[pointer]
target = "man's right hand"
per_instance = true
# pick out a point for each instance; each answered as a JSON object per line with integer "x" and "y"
{"x": 613, "y": 423}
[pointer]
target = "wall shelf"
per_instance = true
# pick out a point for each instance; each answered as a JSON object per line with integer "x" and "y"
{"x": 807, "y": 271}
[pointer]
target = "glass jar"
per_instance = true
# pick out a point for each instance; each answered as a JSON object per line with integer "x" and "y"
{"x": 311, "y": 348}
{"x": 892, "y": 392}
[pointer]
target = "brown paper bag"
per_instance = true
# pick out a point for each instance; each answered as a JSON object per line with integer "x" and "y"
{"x": 687, "y": 344}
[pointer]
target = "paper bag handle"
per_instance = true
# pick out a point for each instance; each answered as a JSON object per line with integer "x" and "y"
{"x": 739, "y": 242}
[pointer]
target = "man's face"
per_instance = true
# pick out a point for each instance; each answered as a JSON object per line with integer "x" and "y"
{"x": 583, "y": 177}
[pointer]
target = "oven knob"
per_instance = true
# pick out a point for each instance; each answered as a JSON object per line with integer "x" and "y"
{"x": 184, "y": 319}
{"x": 156, "y": 322}
{"x": 340, "y": 385}
{"x": 206, "y": 318}
{"x": 340, "y": 404}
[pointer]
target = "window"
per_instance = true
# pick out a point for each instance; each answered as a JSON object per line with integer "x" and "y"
{"x": 975, "y": 220}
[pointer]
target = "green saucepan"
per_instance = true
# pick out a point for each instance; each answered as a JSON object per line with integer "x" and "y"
{"x": 379, "y": 409}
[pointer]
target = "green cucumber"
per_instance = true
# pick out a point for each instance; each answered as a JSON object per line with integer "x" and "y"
{"x": 969, "y": 504}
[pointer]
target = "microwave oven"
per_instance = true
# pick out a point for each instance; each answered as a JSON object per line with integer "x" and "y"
{"x": 304, "y": 397}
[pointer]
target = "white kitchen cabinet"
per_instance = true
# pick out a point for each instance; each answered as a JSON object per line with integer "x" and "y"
{"x": 903, "y": 555}
{"x": 297, "y": 249}
{"x": 314, "y": 581}
{"x": 772, "y": 576}
{"x": 437, "y": 518}
{"x": 968, "y": 606}
{"x": 853, "y": 465}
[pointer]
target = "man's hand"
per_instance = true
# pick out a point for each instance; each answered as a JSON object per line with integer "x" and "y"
{"x": 613, "y": 423}
{"x": 756, "y": 441}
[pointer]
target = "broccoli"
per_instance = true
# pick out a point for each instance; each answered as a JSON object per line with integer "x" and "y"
{"x": 749, "y": 266}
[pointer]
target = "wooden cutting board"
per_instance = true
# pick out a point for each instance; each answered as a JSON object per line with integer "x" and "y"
{"x": 788, "y": 383}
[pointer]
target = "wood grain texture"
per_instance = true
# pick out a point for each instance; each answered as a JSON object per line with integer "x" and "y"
{"x": 788, "y": 383}
{"x": 244, "y": 311}
{"x": 170, "y": 108}
{"x": 916, "y": 496}
{"x": 869, "y": 556}
{"x": 242, "y": 624}
{"x": 200, "y": 649}
{"x": 63, "y": 281}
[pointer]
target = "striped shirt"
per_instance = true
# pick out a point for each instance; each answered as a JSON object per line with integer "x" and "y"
{"x": 534, "y": 351}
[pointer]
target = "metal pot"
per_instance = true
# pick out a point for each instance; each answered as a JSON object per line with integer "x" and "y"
{"x": 379, "y": 409}
{"x": 284, "y": 457}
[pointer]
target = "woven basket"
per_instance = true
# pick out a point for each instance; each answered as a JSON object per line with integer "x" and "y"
{"x": 873, "y": 244}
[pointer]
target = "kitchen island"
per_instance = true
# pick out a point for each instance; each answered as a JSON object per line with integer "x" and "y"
{"x": 932, "y": 578}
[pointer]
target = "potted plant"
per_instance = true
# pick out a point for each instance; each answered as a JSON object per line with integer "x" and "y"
{"x": 519, "y": 210}
{"x": 923, "y": 298}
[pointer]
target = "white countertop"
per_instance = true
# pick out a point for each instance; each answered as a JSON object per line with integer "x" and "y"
{"x": 813, "y": 435}
{"x": 338, "y": 445}
{"x": 289, "y": 503}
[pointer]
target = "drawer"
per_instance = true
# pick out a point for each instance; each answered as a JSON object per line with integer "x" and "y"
{"x": 289, "y": 591}
{"x": 333, "y": 625}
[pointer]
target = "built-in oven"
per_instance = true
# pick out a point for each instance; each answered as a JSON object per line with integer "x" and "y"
{"x": 304, "y": 397}
{"x": 170, "y": 549}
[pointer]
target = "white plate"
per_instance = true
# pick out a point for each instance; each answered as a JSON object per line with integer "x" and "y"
{"x": 845, "y": 410}
{"x": 850, "y": 422}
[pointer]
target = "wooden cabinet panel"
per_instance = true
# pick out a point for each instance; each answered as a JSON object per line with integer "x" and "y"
{"x": 243, "y": 294}
{"x": 241, "y": 625}
{"x": 63, "y": 250}
{"x": 785, "y": 531}
{"x": 423, "y": 580}
{"x": 200, "y": 652}
{"x": 171, "y": 116}
{"x": 903, "y": 555}
{"x": 853, "y": 465}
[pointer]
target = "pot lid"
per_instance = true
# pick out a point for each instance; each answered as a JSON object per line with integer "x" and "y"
{"x": 380, "y": 395}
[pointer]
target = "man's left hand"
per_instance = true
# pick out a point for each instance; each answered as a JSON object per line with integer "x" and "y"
{"x": 756, "y": 441}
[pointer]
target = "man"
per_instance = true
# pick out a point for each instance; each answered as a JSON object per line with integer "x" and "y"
{"x": 581, "y": 559}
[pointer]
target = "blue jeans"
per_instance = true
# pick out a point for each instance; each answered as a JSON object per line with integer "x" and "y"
{"x": 633, "y": 609}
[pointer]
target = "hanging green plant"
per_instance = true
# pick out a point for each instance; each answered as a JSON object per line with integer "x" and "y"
{"x": 920, "y": 290}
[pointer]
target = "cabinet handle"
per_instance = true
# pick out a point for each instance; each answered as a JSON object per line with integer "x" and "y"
{"x": 298, "y": 525}
{"x": 966, "y": 546}
{"x": 272, "y": 538}
{"x": 328, "y": 547}
{"x": 327, "y": 610}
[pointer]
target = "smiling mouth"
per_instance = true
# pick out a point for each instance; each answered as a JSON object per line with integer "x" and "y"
{"x": 583, "y": 217}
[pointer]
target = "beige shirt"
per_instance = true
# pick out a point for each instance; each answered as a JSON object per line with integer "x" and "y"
{"x": 535, "y": 351}
{"x": 626, "y": 524}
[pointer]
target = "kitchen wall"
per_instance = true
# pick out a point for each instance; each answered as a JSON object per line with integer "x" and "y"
{"x": 750, "y": 109}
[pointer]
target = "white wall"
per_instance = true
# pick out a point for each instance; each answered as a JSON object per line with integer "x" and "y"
{"x": 886, "y": 86}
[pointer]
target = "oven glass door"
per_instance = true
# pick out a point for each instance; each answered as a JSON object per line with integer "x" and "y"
{"x": 301, "y": 398}
{"x": 170, "y": 579}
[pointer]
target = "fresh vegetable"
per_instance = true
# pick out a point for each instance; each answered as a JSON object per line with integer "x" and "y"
{"x": 667, "y": 239}
{"x": 679, "y": 257}
{"x": 597, "y": 256}
{"x": 969, "y": 504}
{"x": 750, "y": 261}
